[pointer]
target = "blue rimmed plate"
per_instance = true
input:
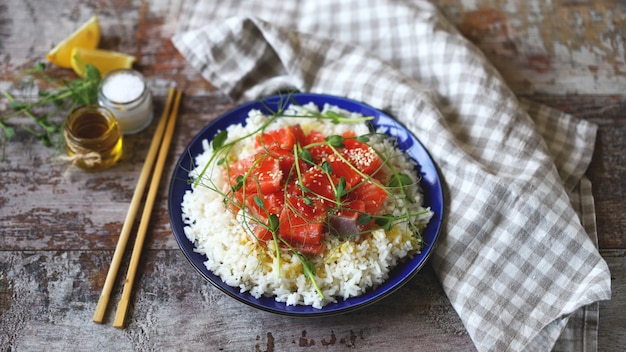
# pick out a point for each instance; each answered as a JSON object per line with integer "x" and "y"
{"x": 407, "y": 142}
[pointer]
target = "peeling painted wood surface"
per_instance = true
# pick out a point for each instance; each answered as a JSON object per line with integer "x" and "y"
{"x": 549, "y": 47}
{"x": 59, "y": 227}
{"x": 52, "y": 306}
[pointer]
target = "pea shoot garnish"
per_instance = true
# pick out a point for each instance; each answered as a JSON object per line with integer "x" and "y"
{"x": 63, "y": 95}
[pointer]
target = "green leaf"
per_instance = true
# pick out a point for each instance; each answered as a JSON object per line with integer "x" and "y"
{"x": 305, "y": 155}
{"x": 385, "y": 222}
{"x": 341, "y": 188}
{"x": 220, "y": 138}
{"x": 335, "y": 117}
{"x": 238, "y": 184}
{"x": 17, "y": 105}
{"x": 45, "y": 139}
{"x": 303, "y": 188}
{"x": 92, "y": 73}
{"x": 364, "y": 219}
{"x": 363, "y": 138}
{"x": 308, "y": 268}
{"x": 48, "y": 127}
{"x": 259, "y": 201}
{"x": 326, "y": 167}
{"x": 39, "y": 67}
{"x": 400, "y": 180}
{"x": 273, "y": 222}
{"x": 9, "y": 132}
{"x": 335, "y": 141}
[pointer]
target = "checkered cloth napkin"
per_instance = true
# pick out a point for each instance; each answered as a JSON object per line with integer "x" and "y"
{"x": 517, "y": 256}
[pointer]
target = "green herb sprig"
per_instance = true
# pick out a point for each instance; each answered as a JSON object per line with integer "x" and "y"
{"x": 64, "y": 95}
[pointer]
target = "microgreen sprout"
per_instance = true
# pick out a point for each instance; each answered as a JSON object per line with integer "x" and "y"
{"x": 309, "y": 271}
{"x": 402, "y": 181}
{"x": 219, "y": 139}
{"x": 64, "y": 96}
{"x": 335, "y": 141}
{"x": 305, "y": 155}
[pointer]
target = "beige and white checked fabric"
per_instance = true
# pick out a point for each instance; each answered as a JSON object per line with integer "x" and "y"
{"x": 517, "y": 257}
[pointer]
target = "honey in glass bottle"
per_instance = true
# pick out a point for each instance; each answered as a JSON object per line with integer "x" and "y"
{"x": 93, "y": 137}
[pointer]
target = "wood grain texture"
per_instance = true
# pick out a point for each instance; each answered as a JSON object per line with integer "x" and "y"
{"x": 58, "y": 228}
{"x": 51, "y": 295}
{"x": 548, "y": 47}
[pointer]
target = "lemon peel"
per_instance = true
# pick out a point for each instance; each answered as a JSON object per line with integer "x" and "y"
{"x": 86, "y": 36}
{"x": 104, "y": 60}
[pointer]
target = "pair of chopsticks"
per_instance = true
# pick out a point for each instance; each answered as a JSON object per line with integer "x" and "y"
{"x": 162, "y": 138}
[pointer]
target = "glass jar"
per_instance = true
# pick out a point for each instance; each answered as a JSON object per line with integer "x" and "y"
{"x": 93, "y": 138}
{"x": 125, "y": 92}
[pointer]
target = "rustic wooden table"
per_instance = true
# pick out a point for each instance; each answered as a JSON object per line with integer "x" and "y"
{"x": 58, "y": 231}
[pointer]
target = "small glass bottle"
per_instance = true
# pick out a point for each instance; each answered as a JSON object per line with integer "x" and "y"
{"x": 125, "y": 92}
{"x": 93, "y": 138}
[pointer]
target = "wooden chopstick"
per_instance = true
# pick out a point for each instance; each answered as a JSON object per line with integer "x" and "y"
{"x": 122, "y": 307}
{"x": 132, "y": 212}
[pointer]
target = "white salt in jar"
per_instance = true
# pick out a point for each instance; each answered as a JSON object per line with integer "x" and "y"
{"x": 127, "y": 95}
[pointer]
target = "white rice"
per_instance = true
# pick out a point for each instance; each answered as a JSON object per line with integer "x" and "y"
{"x": 347, "y": 268}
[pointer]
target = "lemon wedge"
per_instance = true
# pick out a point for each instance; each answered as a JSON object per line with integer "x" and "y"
{"x": 103, "y": 60}
{"x": 87, "y": 36}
